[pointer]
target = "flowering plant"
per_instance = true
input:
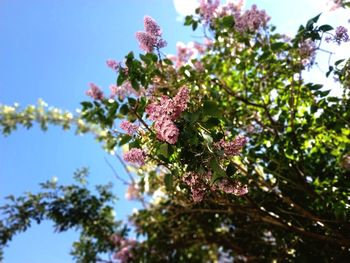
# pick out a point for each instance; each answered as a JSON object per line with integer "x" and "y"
{"x": 236, "y": 157}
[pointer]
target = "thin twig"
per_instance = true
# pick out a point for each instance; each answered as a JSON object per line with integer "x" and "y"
{"x": 115, "y": 173}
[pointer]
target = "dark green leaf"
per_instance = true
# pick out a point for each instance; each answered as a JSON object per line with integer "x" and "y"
{"x": 168, "y": 181}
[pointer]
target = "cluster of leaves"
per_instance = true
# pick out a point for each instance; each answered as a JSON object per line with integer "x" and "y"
{"x": 12, "y": 116}
{"x": 249, "y": 84}
{"x": 68, "y": 207}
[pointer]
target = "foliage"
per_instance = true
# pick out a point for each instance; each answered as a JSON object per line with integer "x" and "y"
{"x": 246, "y": 81}
{"x": 69, "y": 207}
{"x": 12, "y": 116}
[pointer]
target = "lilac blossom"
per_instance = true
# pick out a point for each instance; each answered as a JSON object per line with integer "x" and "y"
{"x": 198, "y": 183}
{"x": 251, "y": 20}
{"x": 147, "y": 41}
{"x": 307, "y": 51}
{"x": 232, "y": 148}
{"x": 232, "y": 187}
{"x": 95, "y": 92}
{"x": 111, "y": 63}
{"x": 123, "y": 91}
{"x": 151, "y": 26}
{"x": 129, "y": 127}
{"x": 166, "y": 130}
{"x": 132, "y": 192}
{"x": 230, "y": 9}
{"x": 124, "y": 254}
{"x": 152, "y": 37}
{"x": 165, "y": 112}
{"x": 135, "y": 156}
{"x": 207, "y": 9}
{"x": 341, "y": 34}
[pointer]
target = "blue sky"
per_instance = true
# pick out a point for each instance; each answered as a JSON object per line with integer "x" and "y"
{"x": 52, "y": 50}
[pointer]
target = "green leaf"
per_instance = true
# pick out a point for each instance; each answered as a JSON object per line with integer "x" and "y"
{"x": 163, "y": 150}
{"x": 194, "y": 25}
{"x": 210, "y": 108}
{"x": 124, "y": 109}
{"x": 168, "y": 181}
{"x": 135, "y": 144}
{"x": 152, "y": 57}
{"x": 132, "y": 101}
{"x": 218, "y": 172}
{"x": 188, "y": 20}
{"x": 314, "y": 86}
{"x": 325, "y": 28}
{"x": 231, "y": 170}
{"x": 227, "y": 22}
{"x": 121, "y": 78}
{"x": 124, "y": 139}
{"x": 86, "y": 104}
{"x": 338, "y": 62}
{"x": 276, "y": 46}
{"x": 312, "y": 21}
{"x": 211, "y": 123}
{"x": 207, "y": 138}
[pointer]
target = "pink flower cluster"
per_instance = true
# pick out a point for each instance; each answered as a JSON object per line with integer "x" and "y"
{"x": 251, "y": 20}
{"x": 230, "y": 9}
{"x": 232, "y": 187}
{"x": 307, "y": 51}
{"x": 111, "y": 63}
{"x": 136, "y": 156}
{"x": 125, "y": 90}
{"x": 152, "y": 37}
{"x": 207, "y": 9}
{"x": 132, "y": 192}
{"x": 129, "y": 127}
{"x": 185, "y": 53}
{"x": 165, "y": 112}
{"x": 95, "y": 92}
{"x": 198, "y": 183}
{"x": 124, "y": 254}
{"x": 341, "y": 34}
{"x": 232, "y": 148}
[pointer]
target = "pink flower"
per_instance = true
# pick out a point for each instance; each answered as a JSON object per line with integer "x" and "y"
{"x": 165, "y": 112}
{"x": 198, "y": 183}
{"x": 166, "y": 130}
{"x": 151, "y": 26}
{"x": 307, "y": 51}
{"x": 94, "y": 92}
{"x": 129, "y": 127}
{"x": 207, "y": 9}
{"x": 124, "y": 255}
{"x": 232, "y": 187}
{"x": 111, "y": 63}
{"x": 116, "y": 239}
{"x": 251, "y": 20}
{"x": 234, "y": 147}
{"x": 147, "y": 41}
{"x": 184, "y": 54}
{"x": 341, "y": 34}
{"x": 152, "y": 37}
{"x": 181, "y": 99}
{"x": 132, "y": 192}
{"x": 125, "y": 90}
{"x": 136, "y": 156}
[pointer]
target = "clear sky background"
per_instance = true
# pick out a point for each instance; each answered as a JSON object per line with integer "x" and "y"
{"x": 52, "y": 50}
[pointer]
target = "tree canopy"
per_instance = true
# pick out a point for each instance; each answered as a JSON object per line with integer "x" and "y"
{"x": 235, "y": 156}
